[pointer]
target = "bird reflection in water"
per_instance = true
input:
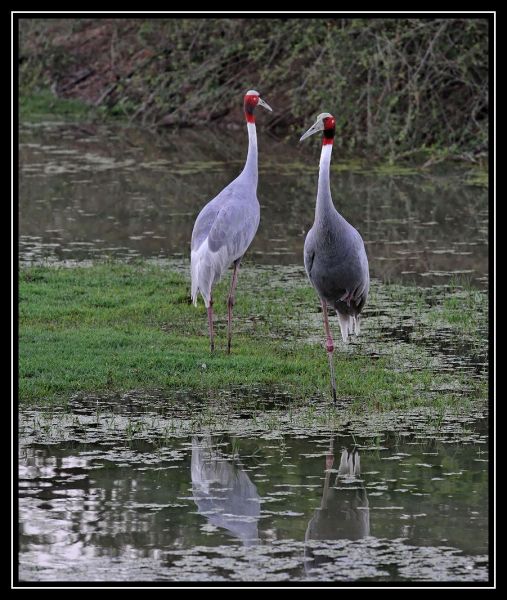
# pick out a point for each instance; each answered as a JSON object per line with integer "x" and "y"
{"x": 223, "y": 492}
{"x": 343, "y": 513}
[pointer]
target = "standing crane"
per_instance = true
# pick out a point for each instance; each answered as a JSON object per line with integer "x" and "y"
{"x": 335, "y": 258}
{"x": 226, "y": 226}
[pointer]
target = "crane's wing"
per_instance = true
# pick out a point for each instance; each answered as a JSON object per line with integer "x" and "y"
{"x": 309, "y": 258}
{"x": 360, "y": 294}
{"x": 222, "y": 233}
{"x": 234, "y": 228}
{"x": 309, "y": 254}
{"x": 204, "y": 223}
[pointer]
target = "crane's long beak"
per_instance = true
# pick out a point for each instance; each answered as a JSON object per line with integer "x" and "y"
{"x": 265, "y": 104}
{"x": 315, "y": 128}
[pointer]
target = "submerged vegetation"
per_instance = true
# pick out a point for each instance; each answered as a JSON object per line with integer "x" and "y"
{"x": 399, "y": 87}
{"x": 114, "y": 327}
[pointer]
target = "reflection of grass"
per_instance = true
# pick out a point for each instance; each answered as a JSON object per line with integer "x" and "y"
{"x": 391, "y": 170}
{"x": 114, "y": 327}
{"x": 478, "y": 177}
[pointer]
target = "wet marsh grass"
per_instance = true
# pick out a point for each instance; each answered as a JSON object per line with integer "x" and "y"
{"x": 114, "y": 327}
{"x": 154, "y": 421}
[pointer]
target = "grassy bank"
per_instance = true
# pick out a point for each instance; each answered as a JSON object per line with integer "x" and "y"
{"x": 114, "y": 327}
{"x": 43, "y": 105}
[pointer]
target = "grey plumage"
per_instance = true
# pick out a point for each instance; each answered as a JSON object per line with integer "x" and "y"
{"x": 337, "y": 266}
{"x": 222, "y": 233}
{"x": 334, "y": 254}
{"x": 226, "y": 226}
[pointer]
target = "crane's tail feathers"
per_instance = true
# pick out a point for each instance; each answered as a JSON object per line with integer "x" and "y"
{"x": 194, "y": 291}
{"x": 357, "y": 325}
{"x": 349, "y": 324}
{"x": 206, "y": 268}
{"x": 194, "y": 276}
{"x": 344, "y": 326}
{"x": 198, "y": 273}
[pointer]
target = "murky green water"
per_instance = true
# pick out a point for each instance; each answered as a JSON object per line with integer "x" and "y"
{"x": 90, "y": 192}
{"x": 137, "y": 488}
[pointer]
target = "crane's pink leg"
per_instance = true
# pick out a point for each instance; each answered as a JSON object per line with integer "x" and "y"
{"x": 210, "y": 324}
{"x": 230, "y": 304}
{"x": 329, "y": 347}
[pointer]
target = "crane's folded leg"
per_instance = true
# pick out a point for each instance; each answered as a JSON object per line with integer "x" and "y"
{"x": 329, "y": 347}
{"x": 210, "y": 324}
{"x": 230, "y": 303}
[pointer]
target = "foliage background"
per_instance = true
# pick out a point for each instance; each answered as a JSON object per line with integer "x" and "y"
{"x": 397, "y": 86}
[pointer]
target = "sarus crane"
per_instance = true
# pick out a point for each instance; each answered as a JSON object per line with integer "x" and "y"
{"x": 226, "y": 226}
{"x": 334, "y": 254}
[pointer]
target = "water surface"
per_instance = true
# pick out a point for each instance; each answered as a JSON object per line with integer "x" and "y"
{"x": 133, "y": 488}
{"x": 90, "y": 191}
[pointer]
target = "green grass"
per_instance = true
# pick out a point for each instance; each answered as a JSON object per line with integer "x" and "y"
{"x": 43, "y": 105}
{"x": 115, "y": 327}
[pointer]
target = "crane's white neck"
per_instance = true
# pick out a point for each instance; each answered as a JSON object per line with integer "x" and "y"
{"x": 251, "y": 159}
{"x": 324, "y": 200}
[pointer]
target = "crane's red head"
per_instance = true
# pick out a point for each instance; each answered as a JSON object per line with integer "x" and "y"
{"x": 329, "y": 130}
{"x": 252, "y": 99}
{"x": 327, "y": 124}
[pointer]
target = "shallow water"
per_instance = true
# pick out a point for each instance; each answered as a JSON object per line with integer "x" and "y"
{"x": 135, "y": 488}
{"x": 91, "y": 192}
